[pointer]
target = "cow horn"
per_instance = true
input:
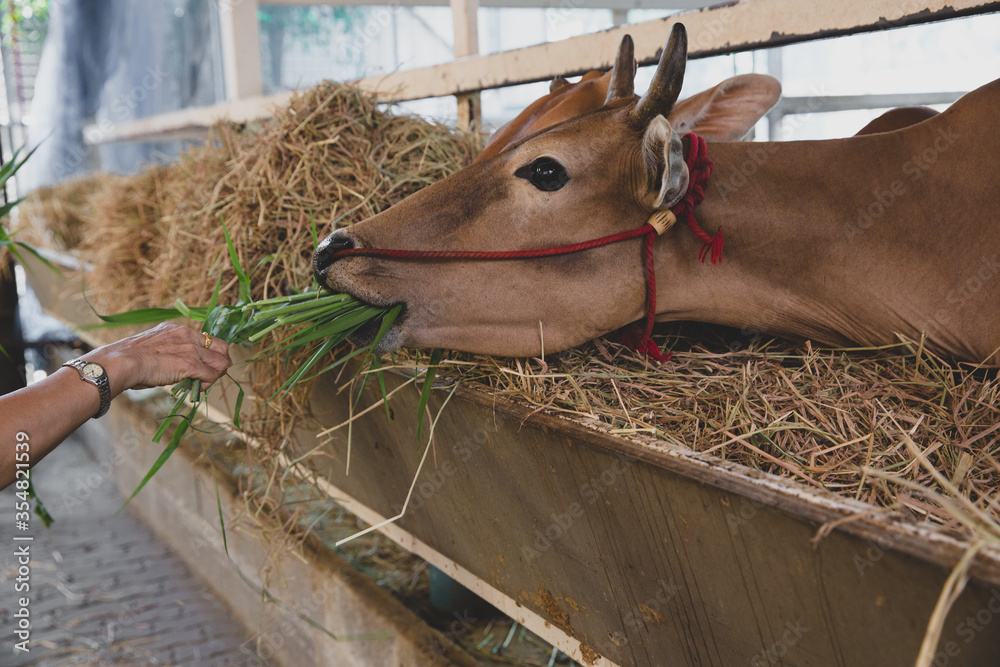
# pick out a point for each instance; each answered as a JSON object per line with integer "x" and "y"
{"x": 622, "y": 72}
{"x": 667, "y": 81}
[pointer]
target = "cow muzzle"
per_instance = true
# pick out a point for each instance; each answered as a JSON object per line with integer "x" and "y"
{"x": 324, "y": 258}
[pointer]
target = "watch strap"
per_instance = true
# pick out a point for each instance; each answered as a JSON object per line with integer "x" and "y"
{"x": 101, "y": 382}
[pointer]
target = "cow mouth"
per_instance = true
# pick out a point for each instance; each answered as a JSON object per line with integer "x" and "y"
{"x": 364, "y": 335}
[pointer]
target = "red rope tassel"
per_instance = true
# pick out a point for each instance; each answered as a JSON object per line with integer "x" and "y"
{"x": 700, "y": 169}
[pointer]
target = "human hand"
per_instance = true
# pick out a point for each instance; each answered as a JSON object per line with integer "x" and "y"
{"x": 166, "y": 354}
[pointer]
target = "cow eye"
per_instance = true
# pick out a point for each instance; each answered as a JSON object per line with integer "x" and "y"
{"x": 545, "y": 173}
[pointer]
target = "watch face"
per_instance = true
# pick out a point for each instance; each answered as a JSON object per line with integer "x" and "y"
{"x": 93, "y": 371}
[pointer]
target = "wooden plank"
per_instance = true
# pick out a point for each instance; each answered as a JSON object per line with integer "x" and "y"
{"x": 796, "y": 105}
{"x": 624, "y": 5}
{"x": 741, "y": 26}
{"x": 466, "y": 25}
{"x": 240, "y": 35}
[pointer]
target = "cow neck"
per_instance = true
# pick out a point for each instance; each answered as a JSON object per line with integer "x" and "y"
{"x": 791, "y": 267}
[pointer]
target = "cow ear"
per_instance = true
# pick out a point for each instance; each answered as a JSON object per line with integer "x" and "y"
{"x": 728, "y": 111}
{"x": 663, "y": 154}
{"x": 557, "y": 83}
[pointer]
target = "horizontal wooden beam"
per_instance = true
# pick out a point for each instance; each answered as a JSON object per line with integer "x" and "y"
{"x": 745, "y": 25}
{"x": 829, "y": 103}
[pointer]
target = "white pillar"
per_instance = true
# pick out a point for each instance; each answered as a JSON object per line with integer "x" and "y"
{"x": 240, "y": 48}
{"x": 465, "y": 18}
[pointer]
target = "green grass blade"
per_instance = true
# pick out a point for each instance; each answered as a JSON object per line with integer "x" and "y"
{"x": 222, "y": 523}
{"x": 40, "y": 510}
{"x": 147, "y": 316}
{"x": 6, "y": 242}
{"x": 237, "y": 267}
{"x": 425, "y": 390}
{"x": 165, "y": 454}
{"x": 375, "y": 368}
{"x": 9, "y": 206}
{"x": 323, "y": 350}
{"x": 181, "y": 394}
{"x": 182, "y": 308}
{"x": 27, "y": 248}
{"x": 214, "y": 301}
{"x": 239, "y": 404}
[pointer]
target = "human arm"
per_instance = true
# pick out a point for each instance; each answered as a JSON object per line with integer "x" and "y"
{"x": 49, "y": 410}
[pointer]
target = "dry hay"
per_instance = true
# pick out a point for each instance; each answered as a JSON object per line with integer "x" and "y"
{"x": 56, "y": 217}
{"x": 823, "y": 417}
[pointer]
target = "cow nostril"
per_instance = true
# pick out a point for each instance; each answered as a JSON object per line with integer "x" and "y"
{"x": 331, "y": 245}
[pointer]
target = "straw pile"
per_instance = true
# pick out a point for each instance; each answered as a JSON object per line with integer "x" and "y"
{"x": 56, "y": 217}
{"x": 827, "y": 418}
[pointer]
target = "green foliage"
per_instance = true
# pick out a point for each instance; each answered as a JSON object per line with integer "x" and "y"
{"x": 14, "y": 12}
{"x": 308, "y": 25}
{"x": 7, "y": 241}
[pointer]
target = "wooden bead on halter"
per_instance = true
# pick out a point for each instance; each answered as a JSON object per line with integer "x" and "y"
{"x": 661, "y": 221}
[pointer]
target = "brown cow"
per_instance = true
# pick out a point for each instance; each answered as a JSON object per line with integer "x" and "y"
{"x": 846, "y": 241}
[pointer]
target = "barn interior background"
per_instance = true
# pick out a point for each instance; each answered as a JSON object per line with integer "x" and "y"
{"x": 123, "y": 85}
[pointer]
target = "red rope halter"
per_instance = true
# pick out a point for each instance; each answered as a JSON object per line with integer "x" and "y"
{"x": 639, "y": 339}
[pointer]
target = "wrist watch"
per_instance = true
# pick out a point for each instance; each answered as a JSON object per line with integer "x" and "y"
{"x": 96, "y": 375}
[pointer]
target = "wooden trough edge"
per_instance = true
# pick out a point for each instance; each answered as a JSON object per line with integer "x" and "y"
{"x": 861, "y": 520}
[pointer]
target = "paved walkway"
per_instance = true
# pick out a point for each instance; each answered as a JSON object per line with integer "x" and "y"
{"x": 104, "y": 589}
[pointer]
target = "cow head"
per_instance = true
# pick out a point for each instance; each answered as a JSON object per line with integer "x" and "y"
{"x": 602, "y": 172}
